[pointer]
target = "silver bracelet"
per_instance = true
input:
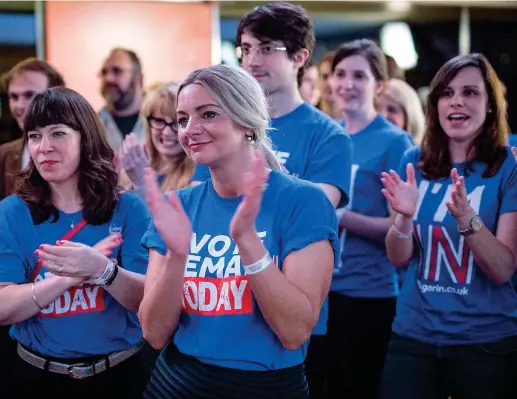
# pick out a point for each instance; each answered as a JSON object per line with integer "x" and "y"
{"x": 258, "y": 266}
{"x": 399, "y": 234}
{"x": 34, "y": 297}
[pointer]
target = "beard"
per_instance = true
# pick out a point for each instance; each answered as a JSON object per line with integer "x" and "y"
{"x": 116, "y": 98}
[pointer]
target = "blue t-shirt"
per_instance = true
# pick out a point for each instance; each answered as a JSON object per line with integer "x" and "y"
{"x": 364, "y": 270}
{"x": 446, "y": 298}
{"x": 221, "y": 323}
{"x": 512, "y": 139}
{"x": 85, "y": 320}
{"x": 311, "y": 146}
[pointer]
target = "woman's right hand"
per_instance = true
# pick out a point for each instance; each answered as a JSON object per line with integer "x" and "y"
{"x": 169, "y": 217}
{"x": 402, "y": 196}
{"x": 133, "y": 158}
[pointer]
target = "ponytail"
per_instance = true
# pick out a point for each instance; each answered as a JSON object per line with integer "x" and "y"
{"x": 272, "y": 161}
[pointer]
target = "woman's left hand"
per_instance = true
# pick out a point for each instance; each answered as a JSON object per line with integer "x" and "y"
{"x": 254, "y": 185}
{"x": 72, "y": 259}
{"x": 459, "y": 205}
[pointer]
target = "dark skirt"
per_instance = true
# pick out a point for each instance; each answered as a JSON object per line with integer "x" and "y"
{"x": 184, "y": 377}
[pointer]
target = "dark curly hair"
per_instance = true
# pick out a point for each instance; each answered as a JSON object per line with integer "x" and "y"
{"x": 280, "y": 21}
{"x": 98, "y": 179}
{"x": 489, "y": 145}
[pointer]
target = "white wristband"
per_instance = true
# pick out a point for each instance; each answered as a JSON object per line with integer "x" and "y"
{"x": 258, "y": 266}
{"x": 101, "y": 280}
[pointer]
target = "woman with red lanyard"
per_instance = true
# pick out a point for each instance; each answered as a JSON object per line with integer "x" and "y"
{"x": 71, "y": 306}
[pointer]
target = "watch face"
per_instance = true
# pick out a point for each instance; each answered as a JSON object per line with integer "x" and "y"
{"x": 476, "y": 223}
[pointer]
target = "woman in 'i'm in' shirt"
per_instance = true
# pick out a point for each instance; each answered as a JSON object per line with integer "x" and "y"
{"x": 455, "y": 332}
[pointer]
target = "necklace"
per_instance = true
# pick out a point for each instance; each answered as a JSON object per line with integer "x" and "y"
{"x": 72, "y": 221}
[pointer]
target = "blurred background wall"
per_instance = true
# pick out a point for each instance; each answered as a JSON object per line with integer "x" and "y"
{"x": 173, "y": 38}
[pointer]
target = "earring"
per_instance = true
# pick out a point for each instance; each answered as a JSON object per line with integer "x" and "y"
{"x": 250, "y": 140}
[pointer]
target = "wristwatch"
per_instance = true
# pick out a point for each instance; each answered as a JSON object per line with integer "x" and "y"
{"x": 475, "y": 225}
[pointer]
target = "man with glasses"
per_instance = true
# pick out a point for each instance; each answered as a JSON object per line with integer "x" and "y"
{"x": 122, "y": 88}
{"x": 274, "y": 43}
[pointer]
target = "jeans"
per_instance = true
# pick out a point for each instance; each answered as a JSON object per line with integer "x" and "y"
{"x": 414, "y": 369}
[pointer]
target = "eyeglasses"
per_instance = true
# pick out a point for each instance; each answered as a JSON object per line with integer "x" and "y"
{"x": 117, "y": 71}
{"x": 262, "y": 50}
{"x": 160, "y": 124}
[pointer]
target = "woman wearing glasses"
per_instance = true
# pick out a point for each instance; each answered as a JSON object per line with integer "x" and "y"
{"x": 162, "y": 150}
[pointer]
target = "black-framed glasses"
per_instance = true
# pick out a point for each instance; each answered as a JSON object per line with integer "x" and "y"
{"x": 160, "y": 124}
{"x": 262, "y": 50}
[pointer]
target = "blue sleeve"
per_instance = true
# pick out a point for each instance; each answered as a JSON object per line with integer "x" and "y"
{"x": 312, "y": 219}
{"x": 134, "y": 257}
{"x": 152, "y": 238}
{"x": 509, "y": 188}
{"x": 12, "y": 269}
{"x": 409, "y": 156}
{"x": 396, "y": 152}
{"x": 331, "y": 162}
{"x": 201, "y": 174}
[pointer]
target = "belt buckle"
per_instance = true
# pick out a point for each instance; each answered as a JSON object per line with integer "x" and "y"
{"x": 88, "y": 370}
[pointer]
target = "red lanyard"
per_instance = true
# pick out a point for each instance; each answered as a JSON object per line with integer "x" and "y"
{"x": 76, "y": 229}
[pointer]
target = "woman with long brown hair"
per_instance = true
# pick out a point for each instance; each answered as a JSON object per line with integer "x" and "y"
{"x": 455, "y": 198}
{"x": 72, "y": 306}
{"x": 162, "y": 150}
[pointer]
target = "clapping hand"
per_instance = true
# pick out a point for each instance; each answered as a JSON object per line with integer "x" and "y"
{"x": 254, "y": 185}
{"x": 106, "y": 245}
{"x": 402, "y": 196}
{"x": 459, "y": 205}
{"x": 133, "y": 159}
{"x": 169, "y": 217}
{"x": 72, "y": 259}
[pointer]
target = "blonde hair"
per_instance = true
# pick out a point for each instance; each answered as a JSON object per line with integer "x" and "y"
{"x": 178, "y": 171}
{"x": 404, "y": 95}
{"x": 242, "y": 99}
